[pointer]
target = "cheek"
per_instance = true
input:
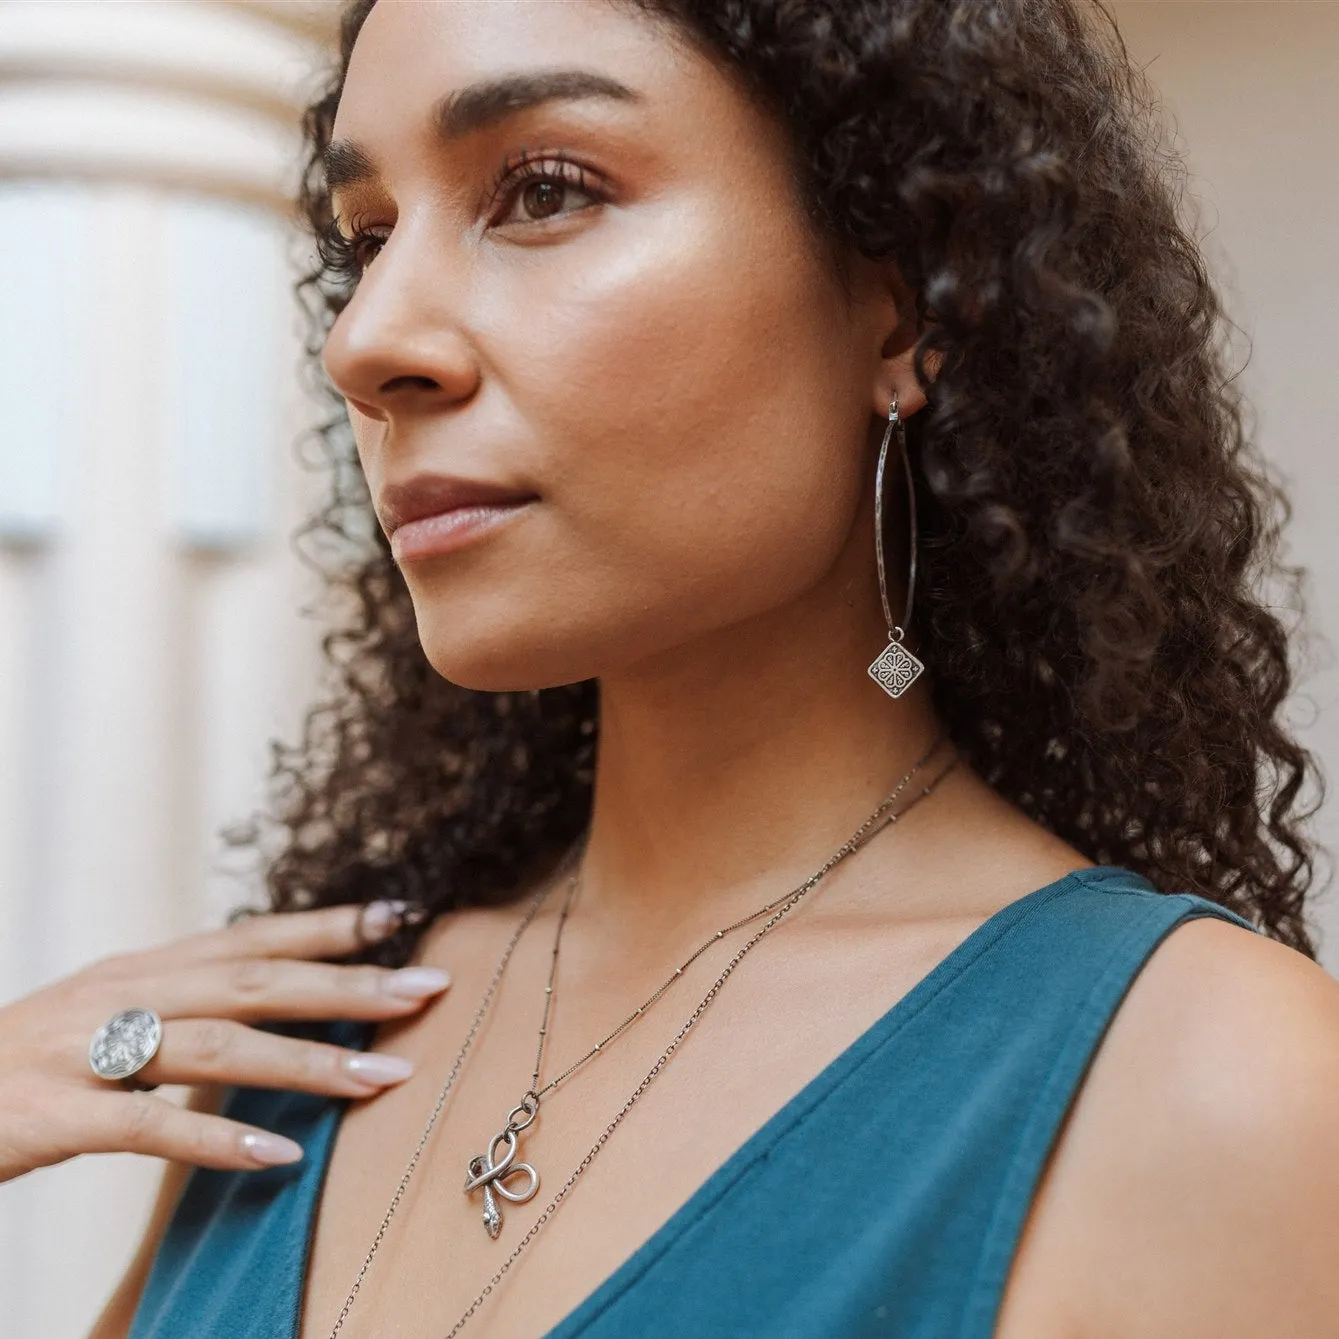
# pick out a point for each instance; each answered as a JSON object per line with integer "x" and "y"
{"x": 696, "y": 384}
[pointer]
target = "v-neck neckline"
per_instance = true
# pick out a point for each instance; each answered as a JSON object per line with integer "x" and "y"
{"x": 976, "y": 945}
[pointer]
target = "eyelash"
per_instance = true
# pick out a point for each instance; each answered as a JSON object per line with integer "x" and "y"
{"x": 342, "y": 258}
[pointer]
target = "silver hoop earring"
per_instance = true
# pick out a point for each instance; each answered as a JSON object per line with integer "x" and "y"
{"x": 895, "y": 669}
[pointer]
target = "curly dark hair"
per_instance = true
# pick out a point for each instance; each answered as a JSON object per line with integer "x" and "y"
{"x": 1096, "y": 527}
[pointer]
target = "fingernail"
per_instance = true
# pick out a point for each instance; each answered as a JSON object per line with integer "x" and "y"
{"x": 416, "y": 982}
{"x": 270, "y": 1149}
{"x": 377, "y": 1068}
{"x": 383, "y": 918}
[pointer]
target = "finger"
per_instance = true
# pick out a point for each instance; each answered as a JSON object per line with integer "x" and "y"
{"x": 266, "y": 988}
{"x": 327, "y": 932}
{"x": 220, "y": 1051}
{"x": 143, "y": 1123}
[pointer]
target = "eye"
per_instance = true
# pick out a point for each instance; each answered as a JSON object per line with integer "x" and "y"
{"x": 343, "y": 259}
{"x": 538, "y": 188}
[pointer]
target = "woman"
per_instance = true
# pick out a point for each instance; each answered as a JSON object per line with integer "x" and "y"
{"x": 790, "y": 997}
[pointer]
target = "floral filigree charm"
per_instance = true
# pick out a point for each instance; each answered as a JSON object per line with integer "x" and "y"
{"x": 895, "y": 669}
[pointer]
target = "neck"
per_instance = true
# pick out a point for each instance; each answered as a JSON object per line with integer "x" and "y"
{"x": 731, "y": 769}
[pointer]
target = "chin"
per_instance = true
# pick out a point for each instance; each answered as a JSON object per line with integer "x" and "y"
{"x": 517, "y": 639}
{"x": 499, "y": 658}
{"x": 500, "y": 676}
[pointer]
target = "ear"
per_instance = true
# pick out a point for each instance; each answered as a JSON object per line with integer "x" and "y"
{"x": 896, "y": 368}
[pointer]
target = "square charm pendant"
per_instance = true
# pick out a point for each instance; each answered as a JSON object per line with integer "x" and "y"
{"x": 895, "y": 669}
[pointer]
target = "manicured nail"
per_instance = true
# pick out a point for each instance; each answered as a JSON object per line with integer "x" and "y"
{"x": 416, "y": 982}
{"x": 270, "y": 1149}
{"x": 383, "y": 918}
{"x": 376, "y": 1068}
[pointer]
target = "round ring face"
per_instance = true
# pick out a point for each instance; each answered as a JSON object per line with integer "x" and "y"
{"x": 125, "y": 1043}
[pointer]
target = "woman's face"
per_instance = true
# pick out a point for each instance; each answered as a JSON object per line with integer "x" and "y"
{"x": 599, "y": 299}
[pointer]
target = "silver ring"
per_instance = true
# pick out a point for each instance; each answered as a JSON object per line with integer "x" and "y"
{"x": 123, "y": 1045}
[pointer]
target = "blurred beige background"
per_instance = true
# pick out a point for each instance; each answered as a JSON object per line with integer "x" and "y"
{"x": 150, "y": 640}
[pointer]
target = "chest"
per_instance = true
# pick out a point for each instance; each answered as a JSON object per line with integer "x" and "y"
{"x": 765, "y": 1046}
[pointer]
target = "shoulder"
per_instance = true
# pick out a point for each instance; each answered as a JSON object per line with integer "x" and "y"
{"x": 1202, "y": 1153}
{"x": 1224, "y": 1013}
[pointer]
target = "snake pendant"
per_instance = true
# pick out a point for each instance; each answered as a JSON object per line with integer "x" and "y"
{"x": 491, "y": 1174}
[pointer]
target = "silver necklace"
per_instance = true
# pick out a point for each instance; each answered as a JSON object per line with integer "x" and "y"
{"x": 883, "y": 816}
{"x": 489, "y": 1173}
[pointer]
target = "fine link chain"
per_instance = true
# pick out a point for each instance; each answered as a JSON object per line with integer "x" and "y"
{"x": 790, "y": 901}
{"x": 548, "y": 991}
{"x": 477, "y": 1022}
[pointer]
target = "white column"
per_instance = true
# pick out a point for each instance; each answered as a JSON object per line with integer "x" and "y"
{"x": 149, "y": 637}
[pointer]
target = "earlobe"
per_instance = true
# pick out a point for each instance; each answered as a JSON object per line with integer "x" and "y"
{"x": 909, "y": 396}
{"x": 898, "y": 383}
{"x": 897, "y": 378}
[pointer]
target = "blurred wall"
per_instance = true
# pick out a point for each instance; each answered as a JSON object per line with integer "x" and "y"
{"x": 149, "y": 639}
{"x": 150, "y": 642}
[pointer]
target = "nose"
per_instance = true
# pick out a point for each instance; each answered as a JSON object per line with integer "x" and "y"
{"x": 397, "y": 347}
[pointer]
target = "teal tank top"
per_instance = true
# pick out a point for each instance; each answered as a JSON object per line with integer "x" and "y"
{"x": 822, "y": 1225}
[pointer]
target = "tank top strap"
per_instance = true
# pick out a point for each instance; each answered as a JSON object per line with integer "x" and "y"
{"x": 888, "y": 1197}
{"x": 233, "y": 1258}
{"x": 1032, "y": 1022}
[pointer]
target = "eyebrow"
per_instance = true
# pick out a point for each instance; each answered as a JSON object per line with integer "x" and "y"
{"x": 477, "y": 107}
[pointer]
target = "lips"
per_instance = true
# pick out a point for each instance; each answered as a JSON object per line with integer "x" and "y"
{"x": 435, "y": 494}
{"x": 433, "y": 514}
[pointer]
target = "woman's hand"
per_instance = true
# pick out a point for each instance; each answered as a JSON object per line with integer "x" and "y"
{"x": 206, "y": 988}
